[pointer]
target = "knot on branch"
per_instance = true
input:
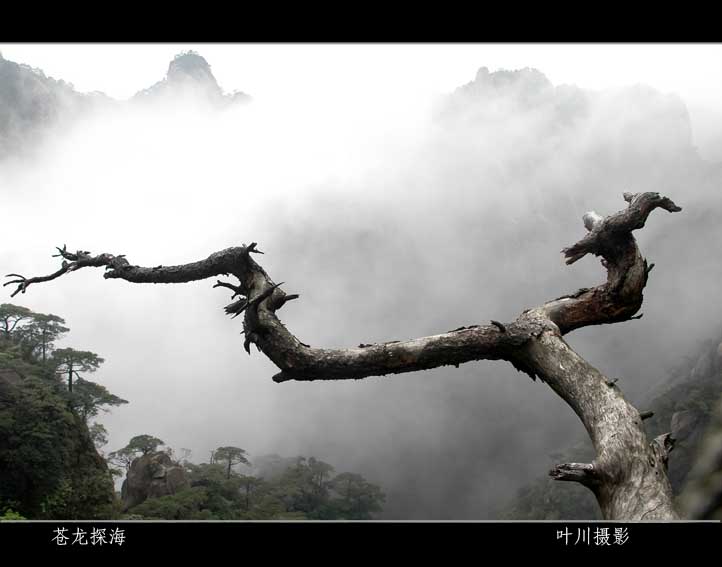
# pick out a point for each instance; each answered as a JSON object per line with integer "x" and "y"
{"x": 584, "y": 473}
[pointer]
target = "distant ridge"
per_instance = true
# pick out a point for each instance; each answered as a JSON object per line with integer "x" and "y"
{"x": 31, "y": 103}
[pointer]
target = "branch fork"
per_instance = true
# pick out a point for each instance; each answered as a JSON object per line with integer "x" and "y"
{"x": 625, "y": 475}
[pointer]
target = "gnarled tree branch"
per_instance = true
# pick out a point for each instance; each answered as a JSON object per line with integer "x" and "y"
{"x": 627, "y": 272}
{"x": 628, "y": 476}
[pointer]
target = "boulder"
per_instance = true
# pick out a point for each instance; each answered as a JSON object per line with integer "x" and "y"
{"x": 151, "y": 476}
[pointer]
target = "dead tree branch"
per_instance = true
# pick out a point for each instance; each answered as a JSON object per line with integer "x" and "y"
{"x": 628, "y": 476}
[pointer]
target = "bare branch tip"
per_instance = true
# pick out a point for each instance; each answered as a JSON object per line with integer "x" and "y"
{"x": 251, "y": 248}
{"x": 281, "y": 377}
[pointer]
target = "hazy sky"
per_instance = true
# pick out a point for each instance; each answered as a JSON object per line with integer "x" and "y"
{"x": 370, "y": 72}
{"x": 388, "y": 226}
{"x": 120, "y": 70}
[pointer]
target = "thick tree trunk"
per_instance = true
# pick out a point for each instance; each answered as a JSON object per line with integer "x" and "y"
{"x": 628, "y": 475}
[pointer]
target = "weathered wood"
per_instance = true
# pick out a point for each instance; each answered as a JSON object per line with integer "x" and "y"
{"x": 585, "y": 473}
{"x": 628, "y": 475}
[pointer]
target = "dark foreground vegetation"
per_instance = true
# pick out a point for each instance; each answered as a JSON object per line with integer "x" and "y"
{"x": 51, "y": 465}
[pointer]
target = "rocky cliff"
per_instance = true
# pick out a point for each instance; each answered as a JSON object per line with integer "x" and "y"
{"x": 189, "y": 75}
{"x": 31, "y": 103}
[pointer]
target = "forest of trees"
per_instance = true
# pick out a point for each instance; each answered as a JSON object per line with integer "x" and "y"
{"x": 50, "y": 465}
{"x": 305, "y": 489}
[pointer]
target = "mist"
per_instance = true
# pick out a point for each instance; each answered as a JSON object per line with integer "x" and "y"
{"x": 394, "y": 215}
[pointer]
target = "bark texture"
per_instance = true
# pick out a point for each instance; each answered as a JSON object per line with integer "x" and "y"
{"x": 628, "y": 475}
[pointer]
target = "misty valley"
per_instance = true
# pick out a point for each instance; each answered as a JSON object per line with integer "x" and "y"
{"x": 421, "y": 352}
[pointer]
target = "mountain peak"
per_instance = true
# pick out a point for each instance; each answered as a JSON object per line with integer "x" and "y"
{"x": 189, "y": 65}
{"x": 528, "y": 77}
{"x": 190, "y": 74}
